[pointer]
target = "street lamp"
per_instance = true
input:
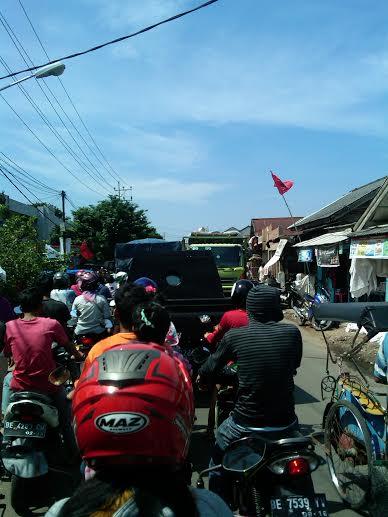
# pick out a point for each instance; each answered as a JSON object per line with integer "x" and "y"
{"x": 52, "y": 69}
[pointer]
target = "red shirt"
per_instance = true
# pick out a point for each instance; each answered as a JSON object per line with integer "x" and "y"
{"x": 29, "y": 343}
{"x": 230, "y": 320}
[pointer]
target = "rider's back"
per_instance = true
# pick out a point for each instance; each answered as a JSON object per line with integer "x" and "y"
{"x": 267, "y": 355}
{"x": 29, "y": 343}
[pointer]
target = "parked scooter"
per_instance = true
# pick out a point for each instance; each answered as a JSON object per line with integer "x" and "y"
{"x": 32, "y": 438}
{"x": 303, "y": 305}
{"x": 272, "y": 477}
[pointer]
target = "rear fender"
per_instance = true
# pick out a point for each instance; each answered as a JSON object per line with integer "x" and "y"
{"x": 21, "y": 460}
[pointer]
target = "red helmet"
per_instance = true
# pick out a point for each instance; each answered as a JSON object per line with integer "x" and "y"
{"x": 134, "y": 404}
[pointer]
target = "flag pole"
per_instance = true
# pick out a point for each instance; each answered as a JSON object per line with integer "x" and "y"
{"x": 293, "y": 224}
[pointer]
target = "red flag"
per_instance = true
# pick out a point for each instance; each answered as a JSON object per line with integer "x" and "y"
{"x": 282, "y": 186}
{"x": 85, "y": 251}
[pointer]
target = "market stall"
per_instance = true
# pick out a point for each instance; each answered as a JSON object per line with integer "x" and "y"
{"x": 369, "y": 264}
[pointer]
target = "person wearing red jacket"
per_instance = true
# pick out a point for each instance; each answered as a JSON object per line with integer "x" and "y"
{"x": 235, "y": 318}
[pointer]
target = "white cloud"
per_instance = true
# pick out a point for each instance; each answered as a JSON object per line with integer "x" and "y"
{"x": 172, "y": 151}
{"x": 125, "y": 51}
{"x": 164, "y": 189}
{"x": 136, "y": 13}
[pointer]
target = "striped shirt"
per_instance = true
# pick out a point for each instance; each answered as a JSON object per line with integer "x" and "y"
{"x": 267, "y": 355}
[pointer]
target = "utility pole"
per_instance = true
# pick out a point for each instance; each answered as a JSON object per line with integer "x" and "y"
{"x": 122, "y": 190}
{"x": 63, "y": 196}
{"x": 63, "y": 225}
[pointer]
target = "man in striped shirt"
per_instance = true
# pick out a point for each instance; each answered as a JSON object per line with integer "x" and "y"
{"x": 267, "y": 354}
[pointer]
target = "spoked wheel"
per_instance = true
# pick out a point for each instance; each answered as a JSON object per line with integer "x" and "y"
{"x": 349, "y": 453}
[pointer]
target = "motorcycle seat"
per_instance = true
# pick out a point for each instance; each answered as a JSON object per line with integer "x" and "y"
{"x": 19, "y": 396}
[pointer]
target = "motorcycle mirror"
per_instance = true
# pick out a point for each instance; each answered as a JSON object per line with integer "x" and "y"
{"x": 59, "y": 376}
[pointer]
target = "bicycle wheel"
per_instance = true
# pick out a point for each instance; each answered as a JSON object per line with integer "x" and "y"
{"x": 349, "y": 453}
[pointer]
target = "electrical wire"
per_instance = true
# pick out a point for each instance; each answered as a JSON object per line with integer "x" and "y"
{"x": 16, "y": 166}
{"x": 48, "y": 148}
{"x": 24, "y": 195}
{"x": 107, "y": 164}
{"x": 53, "y": 130}
{"x": 97, "y": 178}
{"x": 71, "y": 203}
{"x": 116, "y": 40}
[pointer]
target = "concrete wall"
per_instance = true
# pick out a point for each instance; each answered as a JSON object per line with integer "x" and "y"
{"x": 45, "y": 223}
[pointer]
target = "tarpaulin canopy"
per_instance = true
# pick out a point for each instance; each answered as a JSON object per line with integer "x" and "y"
{"x": 125, "y": 252}
{"x": 279, "y": 250}
{"x": 327, "y": 238}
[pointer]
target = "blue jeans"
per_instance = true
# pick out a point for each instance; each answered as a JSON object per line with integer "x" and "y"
{"x": 229, "y": 432}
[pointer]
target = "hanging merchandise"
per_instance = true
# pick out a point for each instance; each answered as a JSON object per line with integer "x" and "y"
{"x": 306, "y": 255}
{"x": 371, "y": 248}
{"x": 327, "y": 256}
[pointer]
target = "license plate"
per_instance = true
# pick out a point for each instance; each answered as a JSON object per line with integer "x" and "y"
{"x": 299, "y": 506}
{"x": 25, "y": 429}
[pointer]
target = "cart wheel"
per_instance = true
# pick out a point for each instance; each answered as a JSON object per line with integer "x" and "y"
{"x": 349, "y": 453}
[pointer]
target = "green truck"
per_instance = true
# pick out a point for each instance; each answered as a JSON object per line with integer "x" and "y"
{"x": 228, "y": 250}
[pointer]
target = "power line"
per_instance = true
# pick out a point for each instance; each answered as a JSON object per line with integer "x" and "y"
{"x": 79, "y": 160}
{"x": 27, "y": 177}
{"x": 24, "y": 195}
{"x": 117, "y": 40}
{"x": 53, "y": 130}
{"x": 47, "y": 148}
{"x": 108, "y": 166}
{"x": 71, "y": 202}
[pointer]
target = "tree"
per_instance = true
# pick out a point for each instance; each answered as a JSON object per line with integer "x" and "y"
{"x": 111, "y": 221}
{"x": 21, "y": 253}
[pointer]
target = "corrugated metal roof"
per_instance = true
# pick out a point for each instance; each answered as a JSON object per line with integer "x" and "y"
{"x": 348, "y": 199}
{"x": 327, "y": 238}
{"x": 376, "y": 230}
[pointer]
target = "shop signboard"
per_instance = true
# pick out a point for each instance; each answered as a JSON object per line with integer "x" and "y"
{"x": 306, "y": 255}
{"x": 369, "y": 248}
{"x": 327, "y": 256}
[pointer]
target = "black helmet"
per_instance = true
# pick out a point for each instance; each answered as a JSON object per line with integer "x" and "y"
{"x": 61, "y": 281}
{"x": 240, "y": 292}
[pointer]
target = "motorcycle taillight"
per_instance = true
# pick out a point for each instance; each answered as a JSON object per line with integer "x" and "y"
{"x": 298, "y": 467}
{"x": 88, "y": 341}
{"x": 294, "y": 465}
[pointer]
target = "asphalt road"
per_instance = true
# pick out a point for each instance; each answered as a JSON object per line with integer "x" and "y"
{"x": 309, "y": 408}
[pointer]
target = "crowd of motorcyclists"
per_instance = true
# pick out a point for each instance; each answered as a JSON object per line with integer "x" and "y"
{"x": 132, "y": 410}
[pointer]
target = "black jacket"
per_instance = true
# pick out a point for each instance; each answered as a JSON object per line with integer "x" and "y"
{"x": 267, "y": 355}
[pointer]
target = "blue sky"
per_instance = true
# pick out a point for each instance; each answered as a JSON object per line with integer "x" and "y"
{"x": 194, "y": 114}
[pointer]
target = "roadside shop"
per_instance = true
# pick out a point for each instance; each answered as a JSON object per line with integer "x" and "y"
{"x": 327, "y": 259}
{"x": 369, "y": 264}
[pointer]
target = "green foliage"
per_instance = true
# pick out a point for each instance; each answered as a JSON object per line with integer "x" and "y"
{"x": 21, "y": 253}
{"x": 111, "y": 221}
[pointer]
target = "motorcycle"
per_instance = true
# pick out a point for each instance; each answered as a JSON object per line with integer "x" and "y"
{"x": 303, "y": 306}
{"x": 271, "y": 477}
{"x": 32, "y": 438}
